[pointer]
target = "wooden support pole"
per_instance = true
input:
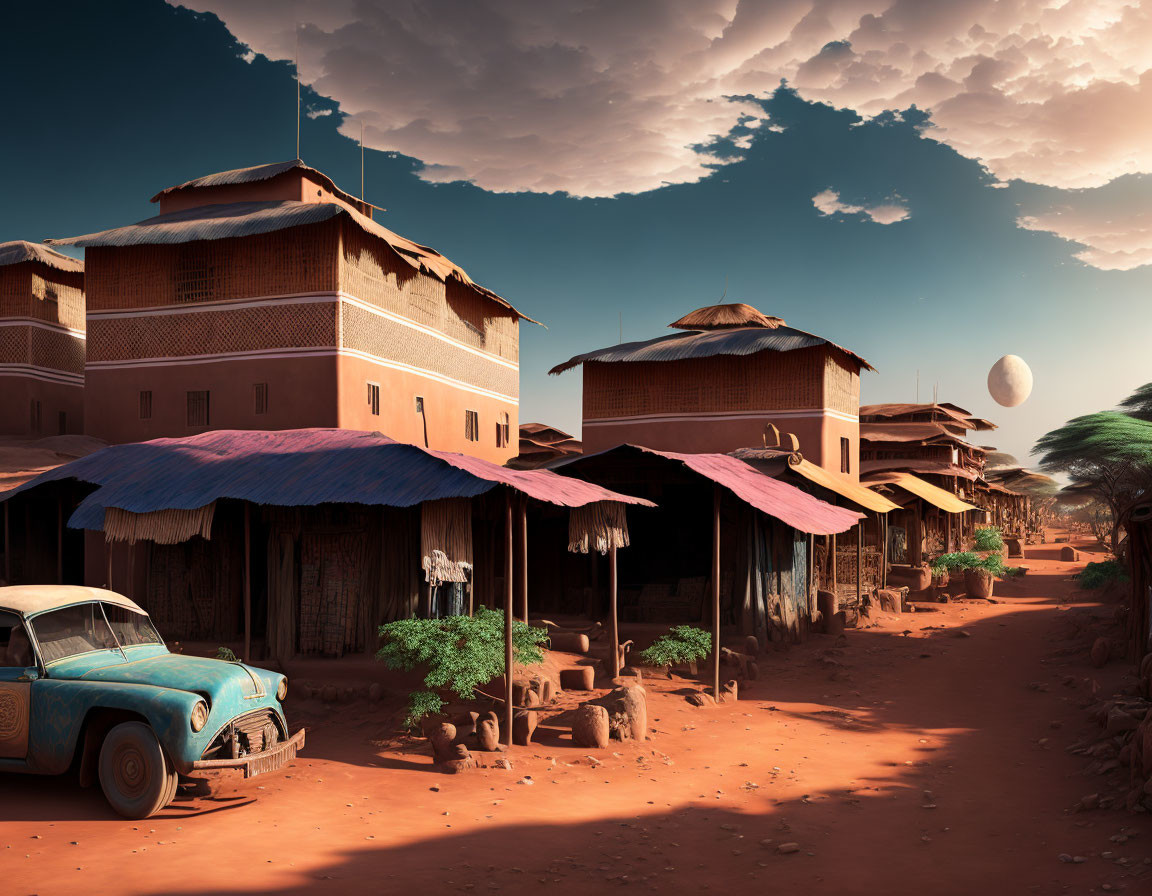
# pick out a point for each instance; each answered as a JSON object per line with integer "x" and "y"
{"x": 811, "y": 577}
{"x": 859, "y": 562}
{"x": 523, "y": 559}
{"x": 108, "y": 554}
{"x": 716, "y": 593}
{"x": 835, "y": 577}
{"x": 882, "y": 522}
{"x": 613, "y": 620}
{"x": 7, "y": 547}
{"x": 247, "y": 582}
{"x": 508, "y": 585}
{"x": 59, "y": 541}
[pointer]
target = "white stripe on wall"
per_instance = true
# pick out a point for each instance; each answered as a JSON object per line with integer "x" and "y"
{"x": 277, "y": 353}
{"x": 42, "y": 373}
{"x": 40, "y": 324}
{"x": 720, "y": 416}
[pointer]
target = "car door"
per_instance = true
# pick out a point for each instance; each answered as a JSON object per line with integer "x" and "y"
{"x": 15, "y": 695}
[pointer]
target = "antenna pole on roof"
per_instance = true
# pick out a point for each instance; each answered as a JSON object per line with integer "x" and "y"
{"x": 297, "y": 90}
{"x": 917, "y": 386}
{"x": 361, "y": 159}
{"x": 725, "y": 293}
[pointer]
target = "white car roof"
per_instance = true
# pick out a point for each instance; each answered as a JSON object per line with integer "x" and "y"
{"x": 30, "y": 599}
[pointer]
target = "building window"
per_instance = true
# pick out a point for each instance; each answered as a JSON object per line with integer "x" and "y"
{"x": 34, "y": 414}
{"x": 146, "y": 405}
{"x": 419, "y": 404}
{"x": 374, "y": 399}
{"x": 471, "y": 426}
{"x": 197, "y": 278}
{"x": 845, "y": 456}
{"x": 502, "y": 434}
{"x": 198, "y": 408}
{"x": 260, "y": 398}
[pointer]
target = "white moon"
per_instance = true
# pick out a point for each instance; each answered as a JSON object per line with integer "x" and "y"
{"x": 1010, "y": 381}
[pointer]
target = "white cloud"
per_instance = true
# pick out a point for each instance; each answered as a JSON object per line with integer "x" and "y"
{"x": 1113, "y": 239}
{"x": 828, "y": 202}
{"x": 598, "y": 97}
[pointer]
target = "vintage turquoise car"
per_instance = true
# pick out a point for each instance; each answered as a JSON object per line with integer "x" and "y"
{"x": 86, "y": 681}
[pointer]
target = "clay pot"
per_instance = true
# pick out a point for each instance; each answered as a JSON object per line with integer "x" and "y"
{"x": 978, "y": 582}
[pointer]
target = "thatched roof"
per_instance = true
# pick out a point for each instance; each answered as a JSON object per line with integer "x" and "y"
{"x": 17, "y": 251}
{"x": 719, "y": 317}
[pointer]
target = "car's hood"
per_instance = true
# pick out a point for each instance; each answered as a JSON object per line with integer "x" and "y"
{"x": 214, "y": 678}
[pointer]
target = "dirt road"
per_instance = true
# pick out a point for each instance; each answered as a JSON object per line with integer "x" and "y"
{"x": 923, "y": 755}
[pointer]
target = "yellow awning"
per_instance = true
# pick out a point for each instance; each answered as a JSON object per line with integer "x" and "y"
{"x": 946, "y": 501}
{"x": 857, "y": 494}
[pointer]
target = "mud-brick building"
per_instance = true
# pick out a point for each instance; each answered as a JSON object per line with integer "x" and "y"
{"x": 268, "y": 298}
{"x": 41, "y": 341}
{"x": 718, "y": 385}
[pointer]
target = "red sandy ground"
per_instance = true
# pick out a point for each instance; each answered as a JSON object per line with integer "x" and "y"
{"x": 835, "y": 758}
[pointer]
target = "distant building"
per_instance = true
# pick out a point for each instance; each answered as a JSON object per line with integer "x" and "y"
{"x": 268, "y": 298}
{"x": 719, "y": 386}
{"x": 542, "y": 445}
{"x": 41, "y": 341}
{"x": 928, "y": 440}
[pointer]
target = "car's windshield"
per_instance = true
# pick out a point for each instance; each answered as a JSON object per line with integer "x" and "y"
{"x": 131, "y": 628}
{"x": 71, "y": 631}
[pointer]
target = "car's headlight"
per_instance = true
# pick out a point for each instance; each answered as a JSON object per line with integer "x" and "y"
{"x": 199, "y": 716}
{"x": 282, "y": 690}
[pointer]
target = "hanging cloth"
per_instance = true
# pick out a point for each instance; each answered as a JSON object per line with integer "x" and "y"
{"x": 597, "y": 527}
{"x": 446, "y": 540}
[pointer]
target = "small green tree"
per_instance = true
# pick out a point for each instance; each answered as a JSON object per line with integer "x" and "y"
{"x": 988, "y": 539}
{"x": 1097, "y": 575}
{"x": 958, "y": 562}
{"x": 682, "y": 644}
{"x": 460, "y": 653}
{"x": 1107, "y": 454}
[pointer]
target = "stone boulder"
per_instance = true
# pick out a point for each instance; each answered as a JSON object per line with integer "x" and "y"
{"x": 523, "y": 727}
{"x": 488, "y": 733}
{"x": 728, "y": 692}
{"x": 443, "y": 739}
{"x": 1069, "y": 554}
{"x": 590, "y": 726}
{"x": 569, "y": 642}
{"x": 627, "y": 708}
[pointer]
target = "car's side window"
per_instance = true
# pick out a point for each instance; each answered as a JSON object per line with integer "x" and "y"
{"x": 15, "y": 648}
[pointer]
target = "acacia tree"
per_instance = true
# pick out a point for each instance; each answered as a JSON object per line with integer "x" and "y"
{"x": 1139, "y": 403}
{"x": 1107, "y": 454}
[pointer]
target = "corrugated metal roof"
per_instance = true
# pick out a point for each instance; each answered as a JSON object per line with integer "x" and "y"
{"x": 706, "y": 344}
{"x": 937, "y": 497}
{"x": 785, "y": 502}
{"x": 911, "y": 465}
{"x": 889, "y": 431}
{"x": 777, "y": 462}
{"x": 857, "y": 494}
{"x": 254, "y": 174}
{"x": 240, "y": 219}
{"x": 17, "y": 251}
{"x": 300, "y": 467}
{"x": 955, "y": 412}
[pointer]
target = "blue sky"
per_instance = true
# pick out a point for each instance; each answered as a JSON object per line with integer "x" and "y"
{"x": 136, "y": 96}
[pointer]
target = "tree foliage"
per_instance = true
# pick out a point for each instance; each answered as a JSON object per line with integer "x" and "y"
{"x": 958, "y": 562}
{"x": 682, "y": 644}
{"x": 1107, "y": 453}
{"x": 460, "y": 653}
{"x": 1139, "y": 403}
{"x": 988, "y": 539}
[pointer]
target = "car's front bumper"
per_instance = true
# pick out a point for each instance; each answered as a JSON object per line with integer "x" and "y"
{"x": 255, "y": 763}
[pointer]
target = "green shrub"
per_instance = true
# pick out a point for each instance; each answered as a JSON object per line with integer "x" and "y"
{"x": 460, "y": 652}
{"x": 988, "y": 539}
{"x": 682, "y": 644}
{"x": 958, "y": 562}
{"x": 1097, "y": 575}
{"x": 223, "y": 653}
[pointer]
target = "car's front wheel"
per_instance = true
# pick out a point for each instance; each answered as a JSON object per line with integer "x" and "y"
{"x": 135, "y": 775}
